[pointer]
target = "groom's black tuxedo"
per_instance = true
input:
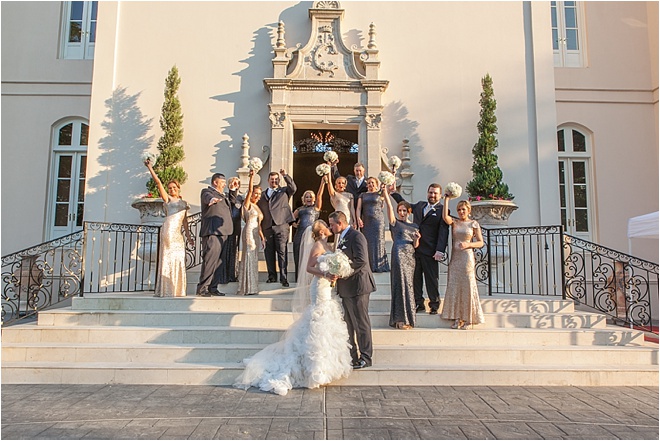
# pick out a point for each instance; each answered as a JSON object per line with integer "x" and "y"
{"x": 354, "y": 292}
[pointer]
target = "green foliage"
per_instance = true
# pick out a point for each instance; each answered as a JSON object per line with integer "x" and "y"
{"x": 170, "y": 143}
{"x": 486, "y": 180}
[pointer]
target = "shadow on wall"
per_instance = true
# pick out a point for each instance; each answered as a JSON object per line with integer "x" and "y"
{"x": 396, "y": 128}
{"x": 120, "y": 152}
{"x": 250, "y": 105}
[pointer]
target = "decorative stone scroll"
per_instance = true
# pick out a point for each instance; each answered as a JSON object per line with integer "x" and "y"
{"x": 373, "y": 120}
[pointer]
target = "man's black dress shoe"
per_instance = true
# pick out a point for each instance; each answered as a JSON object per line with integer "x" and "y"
{"x": 203, "y": 294}
{"x": 433, "y": 311}
{"x": 420, "y": 309}
{"x": 271, "y": 280}
{"x": 285, "y": 284}
{"x": 251, "y": 294}
{"x": 361, "y": 364}
{"x": 355, "y": 363}
{"x": 216, "y": 293}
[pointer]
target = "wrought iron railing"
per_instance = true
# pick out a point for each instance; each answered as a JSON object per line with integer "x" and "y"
{"x": 194, "y": 253}
{"x": 119, "y": 257}
{"x": 36, "y": 278}
{"x": 619, "y": 285}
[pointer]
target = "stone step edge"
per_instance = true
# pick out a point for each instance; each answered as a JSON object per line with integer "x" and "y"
{"x": 375, "y": 367}
{"x": 166, "y": 346}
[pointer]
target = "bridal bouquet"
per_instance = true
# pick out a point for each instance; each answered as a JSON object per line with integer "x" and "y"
{"x": 149, "y": 156}
{"x": 322, "y": 169}
{"x": 394, "y": 162}
{"x": 336, "y": 263}
{"x": 453, "y": 190}
{"x": 255, "y": 164}
{"x": 386, "y": 178}
{"x": 330, "y": 156}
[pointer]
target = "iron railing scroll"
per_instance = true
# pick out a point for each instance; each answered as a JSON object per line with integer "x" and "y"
{"x": 39, "y": 277}
{"x": 619, "y": 285}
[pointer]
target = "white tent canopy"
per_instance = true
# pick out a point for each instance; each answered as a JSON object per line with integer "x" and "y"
{"x": 643, "y": 227}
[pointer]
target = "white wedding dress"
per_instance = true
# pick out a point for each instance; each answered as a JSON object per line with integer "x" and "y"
{"x": 313, "y": 352}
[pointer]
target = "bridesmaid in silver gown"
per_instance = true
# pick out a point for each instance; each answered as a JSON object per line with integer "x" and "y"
{"x": 341, "y": 199}
{"x": 371, "y": 220}
{"x": 461, "y": 302}
{"x": 405, "y": 238}
{"x": 171, "y": 278}
{"x": 252, "y": 240}
{"x": 305, "y": 216}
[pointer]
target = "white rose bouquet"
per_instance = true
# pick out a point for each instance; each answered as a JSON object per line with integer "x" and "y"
{"x": 394, "y": 162}
{"x": 453, "y": 190}
{"x": 255, "y": 164}
{"x": 322, "y": 169}
{"x": 336, "y": 263}
{"x": 149, "y": 156}
{"x": 330, "y": 156}
{"x": 386, "y": 178}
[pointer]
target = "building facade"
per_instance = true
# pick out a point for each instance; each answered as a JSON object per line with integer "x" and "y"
{"x": 576, "y": 85}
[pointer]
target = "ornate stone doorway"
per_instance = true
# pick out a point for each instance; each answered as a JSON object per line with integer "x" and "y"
{"x": 308, "y": 149}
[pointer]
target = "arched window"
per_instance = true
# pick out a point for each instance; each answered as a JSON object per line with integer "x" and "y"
{"x": 575, "y": 188}
{"x": 67, "y": 182}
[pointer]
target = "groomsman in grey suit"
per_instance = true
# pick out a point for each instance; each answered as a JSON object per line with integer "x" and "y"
{"x": 215, "y": 227}
{"x": 274, "y": 204}
{"x": 355, "y": 289}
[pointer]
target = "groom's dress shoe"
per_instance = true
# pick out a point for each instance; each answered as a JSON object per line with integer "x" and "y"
{"x": 361, "y": 364}
{"x": 216, "y": 293}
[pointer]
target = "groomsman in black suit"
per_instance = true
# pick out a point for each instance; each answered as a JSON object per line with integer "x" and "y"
{"x": 216, "y": 226}
{"x": 274, "y": 205}
{"x": 432, "y": 246}
{"x": 356, "y": 183}
{"x": 355, "y": 289}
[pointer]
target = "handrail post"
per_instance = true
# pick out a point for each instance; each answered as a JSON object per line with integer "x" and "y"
{"x": 489, "y": 271}
{"x": 562, "y": 268}
{"x": 83, "y": 262}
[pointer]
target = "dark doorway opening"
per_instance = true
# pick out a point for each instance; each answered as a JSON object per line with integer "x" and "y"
{"x": 309, "y": 145}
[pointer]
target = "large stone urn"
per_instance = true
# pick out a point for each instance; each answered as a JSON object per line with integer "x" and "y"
{"x": 151, "y": 213}
{"x": 495, "y": 214}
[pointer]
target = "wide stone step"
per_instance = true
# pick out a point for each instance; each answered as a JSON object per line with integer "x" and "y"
{"x": 383, "y": 374}
{"x": 477, "y": 337}
{"x": 281, "y": 301}
{"x": 278, "y": 320}
{"x": 383, "y": 354}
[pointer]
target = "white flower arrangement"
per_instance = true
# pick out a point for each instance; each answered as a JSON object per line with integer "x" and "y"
{"x": 394, "y": 162}
{"x": 330, "y": 156}
{"x": 322, "y": 169}
{"x": 255, "y": 164}
{"x": 386, "y": 178}
{"x": 149, "y": 156}
{"x": 336, "y": 263}
{"x": 453, "y": 190}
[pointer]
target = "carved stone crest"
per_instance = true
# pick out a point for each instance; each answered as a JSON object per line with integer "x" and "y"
{"x": 325, "y": 56}
{"x": 373, "y": 120}
{"x": 277, "y": 119}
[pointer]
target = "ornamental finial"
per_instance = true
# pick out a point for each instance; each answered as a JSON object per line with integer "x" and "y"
{"x": 280, "y": 35}
{"x": 372, "y": 37}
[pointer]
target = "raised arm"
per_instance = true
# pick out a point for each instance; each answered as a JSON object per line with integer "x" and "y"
{"x": 331, "y": 189}
{"x": 319, "y": 195}
{"x": 161, "y": 189}
{"x": 247, "y": 203}
{"x": 445, "y": 212}
{"x": 388, "y": 202}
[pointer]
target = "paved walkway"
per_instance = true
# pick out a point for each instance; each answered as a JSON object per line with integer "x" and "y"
{"x": 211, "y": 412}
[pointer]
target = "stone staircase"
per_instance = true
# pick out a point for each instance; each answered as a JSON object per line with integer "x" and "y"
{"x": 134, "y": 338}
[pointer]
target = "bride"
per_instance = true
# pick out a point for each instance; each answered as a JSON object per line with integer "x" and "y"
{"x": 314, "y": 350}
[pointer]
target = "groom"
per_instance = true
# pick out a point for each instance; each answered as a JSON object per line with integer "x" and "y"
{"x": 355, "y": 289}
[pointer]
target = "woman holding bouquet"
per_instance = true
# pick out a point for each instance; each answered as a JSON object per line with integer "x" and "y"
{"x": 372, "y": 222}
{"x": 305, "y": 216}
{"x": 405, "y": 237}
{"x": 171, "y": 279}
{"x": 314, "y": 351}
{"x": 461, "y": 302}
{"x": 341, "y": 199}
{"x": 252, "y": 240}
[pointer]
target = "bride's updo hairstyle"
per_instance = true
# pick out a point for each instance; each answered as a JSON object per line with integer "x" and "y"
{"x": 317, "y": 226}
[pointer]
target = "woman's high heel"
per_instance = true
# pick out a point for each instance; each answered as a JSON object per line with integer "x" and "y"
{"x": 458, "y": 324}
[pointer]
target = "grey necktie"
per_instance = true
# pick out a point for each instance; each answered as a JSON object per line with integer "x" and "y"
{"x": 427, "y": 209}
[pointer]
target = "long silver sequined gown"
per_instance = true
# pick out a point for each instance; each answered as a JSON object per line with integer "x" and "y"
{"x": 306, "y": 217}
{"x": 341, "y": 201}
{"x": 462, "y": 297}
{"x": 171, "y": 279}
{"x": 374, "y": 230}
{"x": 402, "y": 307}
{"x": 248, "y": 268}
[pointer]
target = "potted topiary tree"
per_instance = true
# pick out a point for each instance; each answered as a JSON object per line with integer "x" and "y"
{"x": 167, "y": 163}
{"x": 489, "y": 196}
